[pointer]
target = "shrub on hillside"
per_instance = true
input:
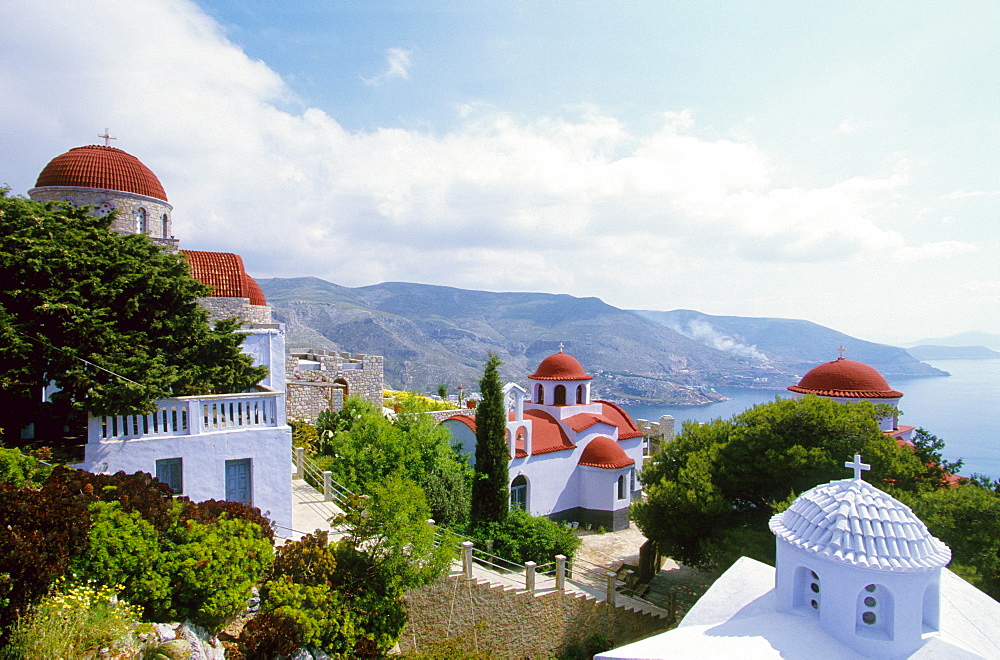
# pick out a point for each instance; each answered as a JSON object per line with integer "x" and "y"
{"x": 40, "y": 530}
{"x": 269, "y": 635}
{"x": 522, "y": 537}
{"x": 73, "y": 622}
{"x": 20, "y": 470}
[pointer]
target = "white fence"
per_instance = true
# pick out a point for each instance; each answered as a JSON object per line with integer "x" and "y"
{"x": 193, "y": 415}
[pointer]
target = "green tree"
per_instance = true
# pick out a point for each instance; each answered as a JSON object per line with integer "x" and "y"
{"x": 967, "y": 519}
{"x": 111, "y": 320}
{"x": 442, "y": 391}
{"x": 710, "y": 492}
{"x": 347, "y": 597}
{"x": 490, "y": 492}
{"x": 365, "y": 449}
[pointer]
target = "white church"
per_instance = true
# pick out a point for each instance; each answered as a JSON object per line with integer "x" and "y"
{"x": 572, "y": 457}
{"x": 857, "y": 575}
{"x": 234, "y": 447}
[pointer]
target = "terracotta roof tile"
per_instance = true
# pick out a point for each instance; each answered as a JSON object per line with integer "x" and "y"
{"x": 224, "y": 274}
{"x": 603, "y": 452}
{"x": 97, "y": 166}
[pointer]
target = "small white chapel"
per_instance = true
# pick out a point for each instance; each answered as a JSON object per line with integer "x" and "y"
{"x": 572, "y": 457}
{"x": 857, "y": 575}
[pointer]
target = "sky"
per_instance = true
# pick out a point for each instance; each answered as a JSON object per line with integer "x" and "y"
{"x": 832, "y": 161}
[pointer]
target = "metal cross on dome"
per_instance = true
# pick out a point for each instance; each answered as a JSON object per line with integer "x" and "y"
{"x": 107, "y": 138}
{"x": 857, "y": 465}
{"x": 841, "y": 350}
{"x": 560, "y": 347}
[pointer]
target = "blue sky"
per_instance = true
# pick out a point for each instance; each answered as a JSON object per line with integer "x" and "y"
{"x": 835, "y": 161}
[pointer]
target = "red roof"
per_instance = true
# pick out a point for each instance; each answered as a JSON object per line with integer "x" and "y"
{"x": 224, "y": 274}
{"x": 603, "y": 452}
{"x": 846, "y": 379}
{"x": 547, "y": 434}
{"x": 627, "y": 428}
{"x": 95, "y": 166}
{"x": 900, "y": 430}
{"x": 560, "y": 366}
{"x": 584, "y": 421}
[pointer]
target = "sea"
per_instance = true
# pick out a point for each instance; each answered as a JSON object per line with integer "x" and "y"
{"x": 962, "y": 409}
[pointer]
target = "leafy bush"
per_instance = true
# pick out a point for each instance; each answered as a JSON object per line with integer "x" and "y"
{"x": 522, "y": 537}
{"x": 125, "y": 549}
{"x": 368, "y": 448}
{"x": 213, "y": 568}
{"x": 302, "y": 584}
{"x": 269, "y": 635}
{"x": 74, "y": 622}
{"x": 304, "y": 435}
{"x": 40, "y": 530}
{"x": 411, "y": 401}
{"x": 20, "y": 470}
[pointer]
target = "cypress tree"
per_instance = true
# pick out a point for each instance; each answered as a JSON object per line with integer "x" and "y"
{"x": 490, "y": 491}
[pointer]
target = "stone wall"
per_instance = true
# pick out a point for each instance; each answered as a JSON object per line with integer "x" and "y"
{"x": 336, "y": 375}
{"x": 124, "y": 204}
{"x": 515, "y": 624}
{"x": 657, "y": 433}
{"x": 225, "y": 308}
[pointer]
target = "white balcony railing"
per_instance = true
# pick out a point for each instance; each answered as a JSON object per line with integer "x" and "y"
{"x": 193, "y": 415}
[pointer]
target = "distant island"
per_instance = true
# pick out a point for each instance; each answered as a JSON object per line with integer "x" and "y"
{"x": 932, "y": 352}
{"x": 438, "y": 335}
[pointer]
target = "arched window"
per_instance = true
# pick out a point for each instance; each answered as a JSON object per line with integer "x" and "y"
{"x": 164, "y": 228}
{"x": 103, "y": 209}
{"x": 807, "y": 596}
{"x": 539, "y": 393}
{"x": 932, "y": 608}
{"x": 559, "y": 396}
{"x": 140, "y": 221}
{"x": 873, "y": 614}
{"x": 581, "y": 394}
{"x": 622, "y": 487}
{"x": 519, "y": 493}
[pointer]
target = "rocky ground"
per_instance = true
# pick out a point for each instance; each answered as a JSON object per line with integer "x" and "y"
{"x": 613, "y": 549}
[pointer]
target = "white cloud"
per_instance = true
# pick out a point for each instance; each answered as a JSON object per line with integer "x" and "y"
{"x": 571, "y": 203}
{"x": 398, "y": 64}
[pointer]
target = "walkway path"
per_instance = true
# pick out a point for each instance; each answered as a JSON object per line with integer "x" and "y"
{"x": 309, "y": 513}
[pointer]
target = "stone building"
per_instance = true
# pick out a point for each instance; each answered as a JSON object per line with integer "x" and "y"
{"x": 319, "y": 380}
{"x": 228, "y": 447}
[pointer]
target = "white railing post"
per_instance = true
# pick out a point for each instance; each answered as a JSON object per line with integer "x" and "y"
{"x": 299, "y": 461}
{"x": 194, "y": 417}
{"x": 467, "y": 559}
{"x": 561, "y": 572}
{"x": 612, "y": 576}
{"x": 529, "y": 576}
{"x": 95, "y": 428}
{"x": 327, "y": 486}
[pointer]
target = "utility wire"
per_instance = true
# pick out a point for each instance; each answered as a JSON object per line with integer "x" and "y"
{"x": 75, "y": 357}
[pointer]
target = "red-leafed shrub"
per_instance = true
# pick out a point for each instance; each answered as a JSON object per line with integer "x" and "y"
{"x": 40, "y": 530}
{"x": 269, "y": 635}
{"x": 137, "y": 492}
{"x": 211, "y": 510}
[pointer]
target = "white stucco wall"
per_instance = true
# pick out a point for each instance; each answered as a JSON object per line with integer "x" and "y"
{"x": 265, "y": 343}
{"x": 204, "y": 464}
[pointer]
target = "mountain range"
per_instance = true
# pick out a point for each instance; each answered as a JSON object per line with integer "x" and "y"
{"x": 433, "y": 335}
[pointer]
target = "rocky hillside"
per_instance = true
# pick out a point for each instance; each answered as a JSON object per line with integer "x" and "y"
{"x": 792, "y": 346}
{"x": 432, "y": 335}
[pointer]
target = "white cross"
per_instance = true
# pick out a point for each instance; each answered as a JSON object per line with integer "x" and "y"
{"x": 841, "y": 349}
{"x": 107, "y": 138}
{"x": 560, "y": 347}
{"x": 857, "y": 465}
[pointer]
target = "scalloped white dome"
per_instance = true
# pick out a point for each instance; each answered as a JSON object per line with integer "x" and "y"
{"x": 854, "y": 522}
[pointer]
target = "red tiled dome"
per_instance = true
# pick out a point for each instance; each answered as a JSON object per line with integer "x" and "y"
{"x": 846, "y": 379}
{"x": 223, "y": 272}
{"x": 560, "y": 366}
{"x": 95, "y": 166}
{"x": 603, "y": 452}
